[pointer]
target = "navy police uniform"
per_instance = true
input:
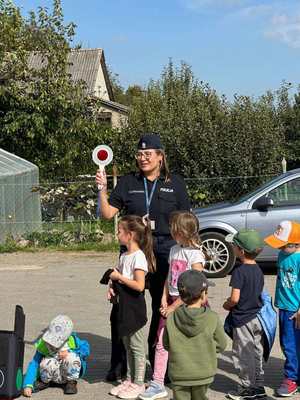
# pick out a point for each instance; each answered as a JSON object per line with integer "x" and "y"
{"x": 168, "y": 196}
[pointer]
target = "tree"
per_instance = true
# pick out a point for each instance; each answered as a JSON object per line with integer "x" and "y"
{"x": 204, "y": 134}
{"x": 45, "y": 116}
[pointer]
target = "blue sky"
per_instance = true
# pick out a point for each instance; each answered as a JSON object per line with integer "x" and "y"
{"x": 237, "y": 46}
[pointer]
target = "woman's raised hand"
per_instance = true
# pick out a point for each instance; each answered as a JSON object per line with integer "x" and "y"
{"x": 101, "y": 179}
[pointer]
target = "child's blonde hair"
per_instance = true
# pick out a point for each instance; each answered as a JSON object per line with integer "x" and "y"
{"x": 142, "y": 235}
{"x": 186, "y": 224}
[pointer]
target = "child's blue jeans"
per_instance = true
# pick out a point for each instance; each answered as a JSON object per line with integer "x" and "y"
{"x": 290, "y": 344}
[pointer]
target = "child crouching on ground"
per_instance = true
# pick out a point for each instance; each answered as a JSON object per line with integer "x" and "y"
{"x": 60, "y": 358}
{"x": 193, "y": 336}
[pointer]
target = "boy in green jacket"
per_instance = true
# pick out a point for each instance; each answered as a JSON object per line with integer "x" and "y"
{"x": 193, "y": 336}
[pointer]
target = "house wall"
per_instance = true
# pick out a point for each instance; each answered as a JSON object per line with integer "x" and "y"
{"x": 100, "y": 86}
{"x": 118, "y": 119}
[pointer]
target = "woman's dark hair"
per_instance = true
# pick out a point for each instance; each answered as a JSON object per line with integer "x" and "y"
{"x": 164, "y": 168}
{"x": 142, "y": 235}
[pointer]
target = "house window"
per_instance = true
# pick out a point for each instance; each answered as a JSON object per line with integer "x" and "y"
{"x": 104, "y": 117}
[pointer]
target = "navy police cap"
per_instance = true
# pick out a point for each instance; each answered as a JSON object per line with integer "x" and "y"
{"x": 150, "y": 141}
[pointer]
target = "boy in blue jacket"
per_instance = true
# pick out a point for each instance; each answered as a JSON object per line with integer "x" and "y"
{"x": 60, "y": 358}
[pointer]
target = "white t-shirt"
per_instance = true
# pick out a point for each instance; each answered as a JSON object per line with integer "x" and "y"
{"x": 128, "y": 263}
{"x": 181, "y": 259}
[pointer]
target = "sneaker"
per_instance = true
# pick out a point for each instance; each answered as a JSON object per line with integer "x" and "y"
{"x": 260, "y": 392}
{"x": 242, "y": 393}
{"x": 154, "y": 391}
{"x": 40, "y": 385}
{"x": 132, "y": 391}
{"x": 115, "y": 390}
{"x": 70, "y": 387}
{"x": 287, "y": 388}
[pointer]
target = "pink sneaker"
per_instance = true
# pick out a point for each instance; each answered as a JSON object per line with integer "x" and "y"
{"x": 117, "y": 389}
{"x": 132, "y": 391}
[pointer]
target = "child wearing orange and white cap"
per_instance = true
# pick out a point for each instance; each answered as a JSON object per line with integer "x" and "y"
{"x": 287, "y": 299}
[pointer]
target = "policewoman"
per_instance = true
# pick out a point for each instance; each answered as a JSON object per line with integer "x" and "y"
{"x": 154, "y": 193}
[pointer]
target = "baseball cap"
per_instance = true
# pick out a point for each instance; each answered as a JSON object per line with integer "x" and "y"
{"x": 58, "y": 331}
{"x": 149, "y": 141}
{"x": 191, "y": 283}
{"x": 286, "y": 232}
{"x": 247, "y": 239}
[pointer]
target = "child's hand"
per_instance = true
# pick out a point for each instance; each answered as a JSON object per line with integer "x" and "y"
{"x": 115, "y": 275}
{"x": 226, "y": 306}
{"x": 296, "y": 316}
{"x": 110, "y": 293}
{"x": 27, "y": 392}
{"x": 164, "y": 302}
{"x": 63, "y": 354}
{"x": 167, "y": 311}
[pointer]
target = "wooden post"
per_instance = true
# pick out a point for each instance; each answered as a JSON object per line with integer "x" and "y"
{"x": 115, "y": 181}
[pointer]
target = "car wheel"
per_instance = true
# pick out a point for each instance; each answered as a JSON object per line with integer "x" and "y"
{"x": 220, "y": 252}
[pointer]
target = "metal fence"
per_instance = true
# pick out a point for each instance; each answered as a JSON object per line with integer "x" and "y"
{"x": 78, "y": 200}
{"x": 72, "y": 208}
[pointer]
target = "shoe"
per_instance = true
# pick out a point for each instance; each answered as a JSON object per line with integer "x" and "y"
{"x": 242, "y": 393}
{"x": 132, "y": 391}
{"x": 111, "y": 376}
{"x": 154, "y": 391}
{"x": 40, "y": 385}
{"x": 260, "y": 392}
{"x": 116, "y": 389}
{"x": 70, "y": 387}
{"x": 287, "y": 388}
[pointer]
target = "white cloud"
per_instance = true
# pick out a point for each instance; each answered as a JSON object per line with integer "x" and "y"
{"x": 286, "y": 29}
{"x": 277, "y": 19}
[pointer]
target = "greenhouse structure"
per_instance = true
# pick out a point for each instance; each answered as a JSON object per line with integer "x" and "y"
{"x": 20, "y": 209}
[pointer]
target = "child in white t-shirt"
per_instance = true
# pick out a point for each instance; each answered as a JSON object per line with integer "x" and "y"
{"x": 184, "y": 256}
{"x": 128, "y": 286}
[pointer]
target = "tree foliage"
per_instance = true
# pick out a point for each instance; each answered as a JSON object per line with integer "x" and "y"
{"x": 45, "y": 116}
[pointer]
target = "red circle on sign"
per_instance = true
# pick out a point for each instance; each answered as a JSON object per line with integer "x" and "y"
{"x": 102, "y": 155}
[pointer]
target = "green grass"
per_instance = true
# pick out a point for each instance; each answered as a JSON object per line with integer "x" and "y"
{"x": 52, "y": 238}
{"x": 109, "y": 247}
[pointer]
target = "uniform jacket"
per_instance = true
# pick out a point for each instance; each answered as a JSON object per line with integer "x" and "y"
{"x": 77, "y": 345}
{"x": 193, "y": 337}
{"x": 267, "y": 316}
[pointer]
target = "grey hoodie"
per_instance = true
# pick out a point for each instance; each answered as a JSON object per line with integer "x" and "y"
{"x": 193, "y": 337}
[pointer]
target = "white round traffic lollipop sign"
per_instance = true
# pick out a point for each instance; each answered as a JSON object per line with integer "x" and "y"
{"x": 102, "y": 155}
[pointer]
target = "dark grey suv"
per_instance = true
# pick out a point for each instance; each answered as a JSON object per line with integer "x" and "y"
{"x": 263, "y": 209}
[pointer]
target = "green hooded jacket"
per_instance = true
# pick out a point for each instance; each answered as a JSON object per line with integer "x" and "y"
{"x": 193, "y": 337}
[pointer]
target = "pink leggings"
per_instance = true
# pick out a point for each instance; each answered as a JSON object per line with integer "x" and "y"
{"x": 161, "y": 355}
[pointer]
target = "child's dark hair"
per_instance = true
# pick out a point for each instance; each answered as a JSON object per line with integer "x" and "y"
{"x": 253, "y": 254}
{"x": 189, "y": 298}
{"x": 142, "y": 235}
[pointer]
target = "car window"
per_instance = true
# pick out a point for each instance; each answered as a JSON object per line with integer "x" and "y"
{"x": 286, "y": 194}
